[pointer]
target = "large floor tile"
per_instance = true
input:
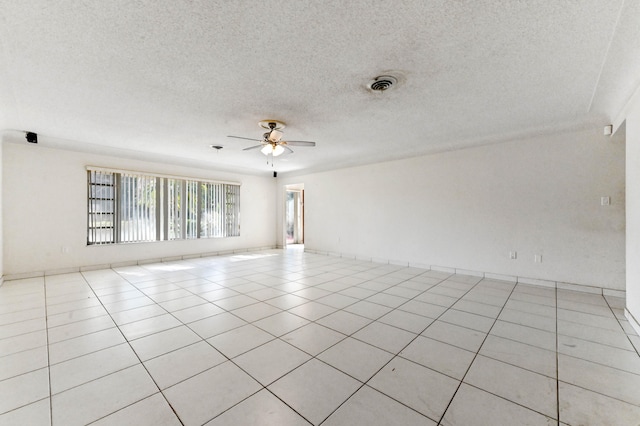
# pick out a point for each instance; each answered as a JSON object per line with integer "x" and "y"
{"x": 315, "y": 390}
{"x": 281, "y": 323}
{"x": 521, "y": 355}
{"x": 271, "y": 361}
{"x": 164, "y": 341}
{"x": 205, "y": 396}
{"x": 77, "y": 371}
{"x": 370, "y": 407}
{"x": 151, "y": 411}
{"x": 145, "y": 327}
{"x": 599, "y": 378}
{"x": 523, "y": 334}
{"x": 344, "y": 322}
{"x": 530, "y": 320}
{"x": 455, "y": 335}
{"x": 616, "y": 338}
{"x": 24, "y": 389}
{"x": 137, "y": 314}
{"x": 477, "y": 308}
{"x": 467, "y": 320}
{"x": 473, "y": 406}
{"x": 198, "y": 312}
{"x": 75, "y": 316}
{"x": 85, "y": 344}
{"x": 442, "y": 357}
{"x": 22, "y": 327}
{"x": 240, "y": 340}
{"x": 183, "y": 363}
{"x": 406, "y": 320}
{"x": 385, "y": 337}
{"x": 260, "y": 409}
{"x": 23, "y": 342}
{"x": 80, "y": 328}
{"x": 312, "y": 310}
{"x": 37, "y": 414}
{"x": 313, "y": 338}
{"x": 217, "y": 324}
{"x": 422, "y": 308}
{"x": 415, "y": 386}
{"x": 531, "y": 308}
{"x": 523, "y": 387}
{"x": 23, "y": 362}
{"x": 356, "y": 358}
{"x": 579, "y": 406}
{"x": 256, "y": 311}
{"x": 626, "y": 360}
{"x": 99, "y": 398}
{"x": 609, "y": 322}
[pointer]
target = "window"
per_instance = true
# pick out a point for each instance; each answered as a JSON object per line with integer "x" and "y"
{"x": 101, "y": 207}
{"x": 125, "y": 207}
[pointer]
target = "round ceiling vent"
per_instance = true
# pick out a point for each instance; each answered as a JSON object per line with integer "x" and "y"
{"x": 382, "y": 83}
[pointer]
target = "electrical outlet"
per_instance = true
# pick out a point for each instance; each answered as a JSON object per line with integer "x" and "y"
{"x": 513, "y": 255}
{"x": 537, "y": 258}
{"x": 605, "y": 201}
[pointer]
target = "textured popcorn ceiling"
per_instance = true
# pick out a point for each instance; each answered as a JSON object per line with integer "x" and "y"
{"x": 164, "y": 79}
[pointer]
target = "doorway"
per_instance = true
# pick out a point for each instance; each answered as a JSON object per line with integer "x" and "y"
{"x": 294, "y": 215}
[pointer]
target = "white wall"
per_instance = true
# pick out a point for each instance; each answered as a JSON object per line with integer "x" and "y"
{"x": 467, "y": 209}
{"x": 45, "y": 199}
{"x": 633, "y": 215}
{"x": 1, "y": 216}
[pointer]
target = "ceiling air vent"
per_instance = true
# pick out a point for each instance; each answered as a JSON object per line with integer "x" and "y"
{"x": 382, "y": 83}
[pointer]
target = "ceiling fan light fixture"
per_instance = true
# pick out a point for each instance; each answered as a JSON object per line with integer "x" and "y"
{"x": 272, "y": 149}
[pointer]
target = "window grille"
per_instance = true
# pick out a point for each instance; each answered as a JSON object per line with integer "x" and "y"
{"x": 101, "y": 207}
{"x": 125, "y": 207}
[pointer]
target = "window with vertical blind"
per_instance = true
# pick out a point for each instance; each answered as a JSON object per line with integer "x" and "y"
{"x": 126, "y": 207}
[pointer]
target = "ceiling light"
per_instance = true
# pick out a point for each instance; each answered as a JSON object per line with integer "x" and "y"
{"x": 272, "y": 149}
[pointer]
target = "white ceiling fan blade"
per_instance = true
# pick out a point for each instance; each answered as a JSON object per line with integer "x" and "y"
{"x": 300, "y": 143}
{"x": 248, "y": 139}
{"x": 253, "y": 147}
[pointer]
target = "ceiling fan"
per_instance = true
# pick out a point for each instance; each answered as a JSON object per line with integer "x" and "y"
{"x": 271, "y": 142}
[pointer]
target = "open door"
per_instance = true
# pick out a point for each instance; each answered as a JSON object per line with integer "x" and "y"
{"x": 294, "y": 215}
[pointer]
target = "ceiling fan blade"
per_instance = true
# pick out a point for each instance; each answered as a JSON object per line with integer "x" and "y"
{"x": 287, "y": 148}
{"x": 275, "y": 135}
{"x": 300, "y": 143}
{"x": 253, "y": 147}
{"x": 247, "y": 139}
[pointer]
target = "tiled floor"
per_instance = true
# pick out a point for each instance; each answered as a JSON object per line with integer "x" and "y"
{"x": 292, "y": 338}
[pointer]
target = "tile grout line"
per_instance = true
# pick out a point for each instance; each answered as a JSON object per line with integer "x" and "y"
{"x": 557, "y": 360}
{"x": 394, "y": 355}
{"x": 46, "y": 323}
{"x": 620, "y": 324}
{"x": 320, "y": 360}
{"x": 262, "y": 387}
{"x": 476, "y": 356}
{"x": 136, "y": 354}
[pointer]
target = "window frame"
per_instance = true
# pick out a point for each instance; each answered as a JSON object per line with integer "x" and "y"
{"x": 178, "y": 204}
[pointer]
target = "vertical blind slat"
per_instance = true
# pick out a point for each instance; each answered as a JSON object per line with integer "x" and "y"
{"x": 135, "y": 208}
